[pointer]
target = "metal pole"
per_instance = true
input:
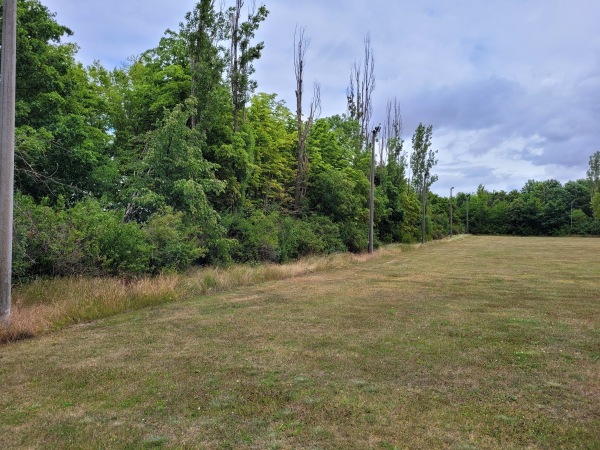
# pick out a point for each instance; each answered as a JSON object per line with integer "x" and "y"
{"x": 7, "y": 153}
{"x": 372, "y": 193}
{"x": 572, "y": 215}
{"x": 451, "y": 211}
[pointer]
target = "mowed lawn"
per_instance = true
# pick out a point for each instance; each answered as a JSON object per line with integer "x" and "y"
{"x": 479, "y": 342}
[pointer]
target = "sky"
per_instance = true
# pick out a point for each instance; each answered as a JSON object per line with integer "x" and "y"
{"x": 511, "y": 87}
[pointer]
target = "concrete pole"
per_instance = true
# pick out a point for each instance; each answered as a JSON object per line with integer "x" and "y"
{"x": 424, "y": 204}
{"x": 468, "y": 198}
{"x": 7, "y": 153}
{"x": 372, "y": 193}
{"x": 451, "y": 211}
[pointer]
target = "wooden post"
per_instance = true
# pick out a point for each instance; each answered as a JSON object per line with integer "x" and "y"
{"x": 7, "y": 153}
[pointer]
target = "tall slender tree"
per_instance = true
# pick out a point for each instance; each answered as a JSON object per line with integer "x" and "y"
{"x": 243, "y": 54}
{"x": 391, "y": 135}
{"x": 360, "y": 90}
{"x": 593, "y": 172}
{"x": 203, "y": 30}
{"x": 422, "y": 160}
{"x": 303, "y": 126}
{"x": 593, "y": 175}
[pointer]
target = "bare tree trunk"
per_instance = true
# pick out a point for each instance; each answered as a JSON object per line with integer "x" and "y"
{"x": 235, "y": 64}
{"x": 392, "y": 130}
{"x": 303, "y": 128}
{"x": 360, "y": 91}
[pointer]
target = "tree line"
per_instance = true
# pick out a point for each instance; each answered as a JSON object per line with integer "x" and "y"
{"x": 177, "y": 159}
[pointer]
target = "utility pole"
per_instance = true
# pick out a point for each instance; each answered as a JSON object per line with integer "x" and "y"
{"x": 372, "y": 194}
{"x": 451, "y": 211}
{"x": 424, "y": 202}
{"x": 7, "y": 153}
{"x": 468, "y": 197}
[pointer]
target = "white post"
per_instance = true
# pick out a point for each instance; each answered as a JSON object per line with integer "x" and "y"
{"x": 7, "y": 153}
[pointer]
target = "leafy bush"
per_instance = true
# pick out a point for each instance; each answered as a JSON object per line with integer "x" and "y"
{"x": 257, "y": 234}
{"x": 172, "y": 247}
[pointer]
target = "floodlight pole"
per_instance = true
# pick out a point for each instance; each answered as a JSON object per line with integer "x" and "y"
{"x": 7, "y": 153}
{"x": 451, "y": 211}
{"x": 372, "y": 193}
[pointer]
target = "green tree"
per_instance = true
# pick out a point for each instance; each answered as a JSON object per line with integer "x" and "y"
{"x": 593, "y": 172}
{"x": 203, "y": 32}
{"x": 422, "y": 160}
{"x": 242, "y": 56}
{"x": 62, "y": 135}
{"x": 272, "y": 181}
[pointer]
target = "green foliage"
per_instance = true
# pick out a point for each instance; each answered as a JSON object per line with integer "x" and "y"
{"x": 84, "y": 239}
{"x": 596, "y": 205}
{"x": 146, "y": 168}
{"x": 172, "y": 246}
{"x": 243, "y": 55}
{"x": 422, "y": 158}
{"x": 62, "y": 135}
{"x": 593, "y": 172}
{"x": 258, "y": 236}
{"x": 273, "y": 177}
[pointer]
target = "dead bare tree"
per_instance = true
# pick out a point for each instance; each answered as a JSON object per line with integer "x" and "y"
{"x": 360, "y": 91}
{"x": 391, "y": 135}
{"x": 303, "y": 126}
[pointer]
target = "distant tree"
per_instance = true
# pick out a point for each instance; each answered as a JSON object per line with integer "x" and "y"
{"x": 390, "y": 147}
{"x": 593, "y": 175}
{"x": 596, "y": 205}
{"x": 422, "y": 160}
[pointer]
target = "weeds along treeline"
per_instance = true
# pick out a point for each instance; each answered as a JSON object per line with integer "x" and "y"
{"x": 177, "y": 159}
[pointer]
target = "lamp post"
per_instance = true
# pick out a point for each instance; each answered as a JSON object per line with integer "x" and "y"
{"x": 451, "y": 211}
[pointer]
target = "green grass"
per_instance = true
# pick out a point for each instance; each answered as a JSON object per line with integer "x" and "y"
{"x": 482, "y": 342}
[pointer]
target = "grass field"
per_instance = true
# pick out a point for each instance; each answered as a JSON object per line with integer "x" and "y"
{"x": 479, "y": 342}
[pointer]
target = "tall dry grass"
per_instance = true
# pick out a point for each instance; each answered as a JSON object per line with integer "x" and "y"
{"x": 47, "y": 305}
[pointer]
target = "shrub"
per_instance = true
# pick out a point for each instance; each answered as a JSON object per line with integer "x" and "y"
{"x": 171, "y": 246}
